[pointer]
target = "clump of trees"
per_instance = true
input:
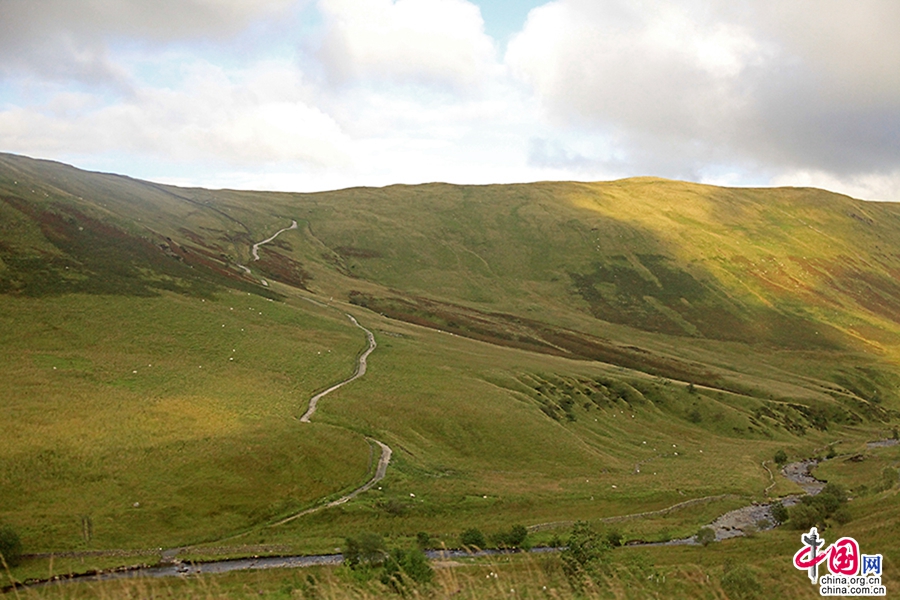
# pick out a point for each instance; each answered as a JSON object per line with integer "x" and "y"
{"x": 514, "y": 538}
{"x": 399, "y": 569}
{"x": 813, "y": 510}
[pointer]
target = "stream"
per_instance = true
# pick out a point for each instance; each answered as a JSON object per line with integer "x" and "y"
{"x": 732, "y": 524}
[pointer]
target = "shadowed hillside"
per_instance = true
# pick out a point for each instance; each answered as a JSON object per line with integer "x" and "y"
{"x": 580, "y": 270}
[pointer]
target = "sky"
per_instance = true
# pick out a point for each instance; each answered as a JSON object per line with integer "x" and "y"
{"x": 308, "y": 95}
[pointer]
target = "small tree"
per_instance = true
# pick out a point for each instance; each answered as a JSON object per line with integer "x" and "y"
{"x": 366, "y": 550}
{"x": 10, "y": 546}
{"x": 473, "y": 538}
{"x": 706, "y": 536}
{"x": 583, "y": 555}
{"x": 404, "y": 566}
{"x": 779, "y": 512}
{"x": 514, "y": 538}
{"x": 614, "y": 538}
{"x": 781, "y": 458}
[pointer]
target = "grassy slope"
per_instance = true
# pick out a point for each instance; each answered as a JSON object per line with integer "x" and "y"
{"x": 182, "y": 405}
{"x": 788, "y": 318}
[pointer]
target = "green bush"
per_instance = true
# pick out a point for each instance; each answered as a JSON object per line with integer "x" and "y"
{"x": 403, "y": 567}
{"x": 10, "y": 546}
{"x": 706, "y": 536}
{"x": 779, "y": 512}
{"x": 813, "y": 510}
{"x": 835, "y": 490}
{"x": 583, "y": 555}
{"x": 781, "y": 458}
{"x": 804, "y": 516}
{"x": 473, "y": 538}
{"x": 514, "y": 538}
{"x": 366, "y": 550}
{"x": 614, "y": 538}
{"x": 842, "y": 516}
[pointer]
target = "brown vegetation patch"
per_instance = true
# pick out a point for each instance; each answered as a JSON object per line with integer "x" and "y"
{"x": 516, "y": 332}
{"x": 354, "y": 252}
{"x": 283, "y": 269}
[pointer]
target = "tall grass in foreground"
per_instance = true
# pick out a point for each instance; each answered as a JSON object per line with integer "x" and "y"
{"x": 519, "y": 576}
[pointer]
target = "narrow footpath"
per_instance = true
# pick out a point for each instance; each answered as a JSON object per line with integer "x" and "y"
{"x": 170, "y": 555}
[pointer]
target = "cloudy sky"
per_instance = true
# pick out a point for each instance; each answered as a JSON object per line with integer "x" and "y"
{"x": 320, "y": 94}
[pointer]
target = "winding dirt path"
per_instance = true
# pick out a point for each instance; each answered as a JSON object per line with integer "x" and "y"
{"x": 386, "y": 451}
{"x": 360, "y": 371}
{"x": 255, "y": 249}
{"x": 361, "y": 365}
{"x": 380, "y": 472}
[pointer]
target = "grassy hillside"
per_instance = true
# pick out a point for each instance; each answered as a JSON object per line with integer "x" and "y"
{"x": 546, "y": 353}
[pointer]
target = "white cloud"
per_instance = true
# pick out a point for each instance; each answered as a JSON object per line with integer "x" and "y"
{"x": 249, "y": 118}
{"x": 867, "y": 186}
{"x": 312, "y": 94}
{"x": 402, "y": 41}
{"x": 632, "y": 71}
{"x": 762, "y": 85}
{"x": 69, "y": 40}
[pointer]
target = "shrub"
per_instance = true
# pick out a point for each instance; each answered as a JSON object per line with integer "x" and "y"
{"x": 10, "y": 546}
{"x": 779, "y": 512}
{"x": 842, "y": 516}
{"x": 614, "y": 538}
{"x": 583, "y": 555}
{"x": 366, "y": 550}
{"x": 404, "y": 566}
{"x": 825, "y": 503}
{"x": 835, "y": 490}
{"x": 514, "y": 538}
{"x": 472, "y": 538}
{"x": 804, "y": 516}
{"x": 781, "y": 458}
{"x": 706, "y": 536}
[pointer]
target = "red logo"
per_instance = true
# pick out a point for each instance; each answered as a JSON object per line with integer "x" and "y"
{"x": 842, "y": 556}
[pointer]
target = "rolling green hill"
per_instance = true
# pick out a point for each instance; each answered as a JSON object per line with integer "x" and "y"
{"x": 546, "y": 352}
